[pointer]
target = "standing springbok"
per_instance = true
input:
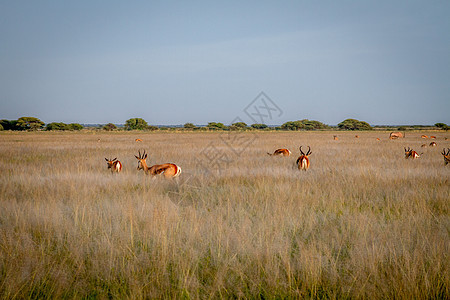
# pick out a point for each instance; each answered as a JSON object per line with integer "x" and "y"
{"x": 303, "y": 160}
{"x": 280, "y": 152}
{"x": 433, "y": 144}
{"x": 446, "y": 156}
{"x": 114, "y": 165}
{"x": 396, "y": 135}
{"x": 411, "y": 153}
{"x": 169, "y": 170}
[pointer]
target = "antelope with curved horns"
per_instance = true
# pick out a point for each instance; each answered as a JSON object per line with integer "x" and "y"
{"x": 433, "y": 144}
{"x": 169, "y": 170}
{"x": 114, "y": 165}
{"x": 411, "y": 153}
{"x": 280, "y": 152}
{"x": 303, "y": 161}
{"x": 446, "y": 156}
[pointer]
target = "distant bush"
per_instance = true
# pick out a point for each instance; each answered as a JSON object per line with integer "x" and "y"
{"x": 238, "y": 126}
{"x": 75, "y": 126}
{"x": 63, "y": 126}
{"x": 9, "y": 124}
{"x": 259, "y": 126}
{"x": 109, "y": 127}
{"x": 304, "y": 124}
{"x": 1, "y": 127}
{"x": 216, "y": 126}
{"x": 189, "y": 126}
{"x": 29, "y": 123}
{"x": 402, "y": 128}
{"x": 136, "y": 124}
{"x": 352, "y": 124}
{"x": 442, "y": 126}
{"x": 152, "y": 128}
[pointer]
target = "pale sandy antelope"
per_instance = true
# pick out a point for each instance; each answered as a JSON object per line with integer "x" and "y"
{"x": 303, "y": 161}
{"x": 280, "y": 152}
{"x": 138, "y": 140}
{"x": 411, "y": 153}
{"x": 424, "y": 136}
{"x": 396, "y": 135}
{"x": 335, "y": 137}
{"x": 169, "y": 170}
{"x": 114, "y": 165}
{"x": 433, "y": 144}
{"x": 446, "y": 156}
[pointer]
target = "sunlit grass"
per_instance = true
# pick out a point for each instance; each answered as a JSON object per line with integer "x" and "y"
{"x": 362, "y": 222}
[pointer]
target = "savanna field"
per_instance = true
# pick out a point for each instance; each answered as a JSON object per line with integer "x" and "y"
{"x": 363, "y": 222}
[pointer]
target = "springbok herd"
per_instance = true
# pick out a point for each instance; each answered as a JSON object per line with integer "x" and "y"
{"x": 171, "y": 170}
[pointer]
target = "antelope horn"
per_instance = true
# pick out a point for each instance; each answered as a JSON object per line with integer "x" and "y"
{"x": 309, "y": 151}
{"x": 114, "y": 159}
{"x": 301, "y": 152}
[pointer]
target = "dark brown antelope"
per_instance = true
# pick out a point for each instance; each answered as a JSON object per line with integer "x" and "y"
{"x": 446, "y": 156}
{"x": 411, "y": 153}
{"x": 114, "y": 165}
{"x": 280, "y": 152}
{"x": 169, "y": 170}
{"x": 303, "y": 160}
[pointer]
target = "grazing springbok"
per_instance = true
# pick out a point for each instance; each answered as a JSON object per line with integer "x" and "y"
{"x": 433, "y": 144}
{"x": 446, "y": 156}
{"x": 432, "y": 137}
{"x": 335, "y": 137}
{"x": 303, "y": 160}
{"x": 357, "y": 136}
{"x": 424, "y": 136}
{"x": 423, "y": 145}
{"x": 169, "y": 170}
{"x": 411, "y": 153}
{"x": 138, "y": 140}
{"x": 114, "y": 165}
{"x": 378, "y": 139}
{"x": 280, "y": 152}
{"x": 396, "y": 135}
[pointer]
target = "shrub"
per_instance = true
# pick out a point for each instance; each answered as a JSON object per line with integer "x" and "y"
{"x": 352, "y": 124}
{"x": 1, "y": 127}
{"x": 259, "y": 126}
{"x": 75, "y": 126}
{"x": 189, "y": 126}
{"x": 9, "y": 124}
{"x": 238, "y": 126}
{"x": 216, "y": 126}
{"x": 29, "y": 123}
{"x": 109, "y": 127}
{"x": 136, "y": 124}
{"x": 56, "y": 126}
{"x": 304, "y": 124}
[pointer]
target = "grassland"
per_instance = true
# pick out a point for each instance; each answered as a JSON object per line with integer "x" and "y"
{"x": 362, "y": 222}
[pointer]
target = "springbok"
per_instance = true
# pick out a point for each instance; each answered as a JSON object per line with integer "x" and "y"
{"x": 424, "y": 136}
{"x": 357, "y": 136}
{"x": 411, "y": 153}
{"x": 280, "y": 152}
{"x": 433, "y": 144}
{"x": 396, "y": 135}
{"x": 378, "y": 139}
{"x": 446, "y": 156}
{"x": 335, "y": 137}
{"x": 114, "y": 165}
{"x": 169, "y": 170}
{"x": 138, "y": 140}
{"x": 423, "y": 145}
{"x": 303, "y": 161}
{"x": 432, "y": 137}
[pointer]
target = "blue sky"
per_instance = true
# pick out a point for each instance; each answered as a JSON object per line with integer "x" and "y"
{"x": 172, "y": 62}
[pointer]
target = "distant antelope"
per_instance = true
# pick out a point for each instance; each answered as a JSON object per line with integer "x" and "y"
{"x": 335, "y": 137}
{"x": 432, "y": 137}
{"x": 433, "y": 144}
{"x": 357, "y": 136}
{"x": 169, "y": 170}
{"x": 280, "y": 152}
{"x": 114, "y": 165}
{"x": 378, "y": 139}
{"x": 446, "y": 138}
{"x": 411, "y": 153}
{"x": 446, "y": 156}
{"x": 396, "y": 135}
{"x": 424, "y": 136}
{"x": 138, "y": 140}
{"x": 423, "y": 145}
{"x": 303, "y": 160}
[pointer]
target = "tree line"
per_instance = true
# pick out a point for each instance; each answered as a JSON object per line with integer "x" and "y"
{"x": 32, "y": 123}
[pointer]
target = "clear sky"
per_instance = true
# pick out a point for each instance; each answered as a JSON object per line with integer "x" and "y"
{"x": 172, "y": 62}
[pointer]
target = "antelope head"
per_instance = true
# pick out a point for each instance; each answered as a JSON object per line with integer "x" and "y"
{"x": 141, "y": 160}
{"x": 110, "y": 162}
{"x": 303, "y": 160}
{"x": 446, "y": 156}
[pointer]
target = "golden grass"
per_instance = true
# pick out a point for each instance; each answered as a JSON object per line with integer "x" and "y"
{"x": 362, "y": 222}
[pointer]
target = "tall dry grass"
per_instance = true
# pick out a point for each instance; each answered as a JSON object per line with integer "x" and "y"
{"x": 363, "y": 222}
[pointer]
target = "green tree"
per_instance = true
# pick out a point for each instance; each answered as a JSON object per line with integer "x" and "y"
{"x": 352, "y": 124}
{"x": 238, "y": 126}
{"x": 216, "y": 126}
{"x": 29, "y": 123}
{"x": 259, "y": 126}
{"x": 1, "y": 127}
{"x": 75, "y": 126}
{"x": 442, "y": 126}
{"x": 136, "y": 123}
{"x": 56, "y": 126}
{"x": 304, "y": 124}
{"x": 109, "y": 127}
{"x": 189, "y": 126}
{"x": 9, "y": 124}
